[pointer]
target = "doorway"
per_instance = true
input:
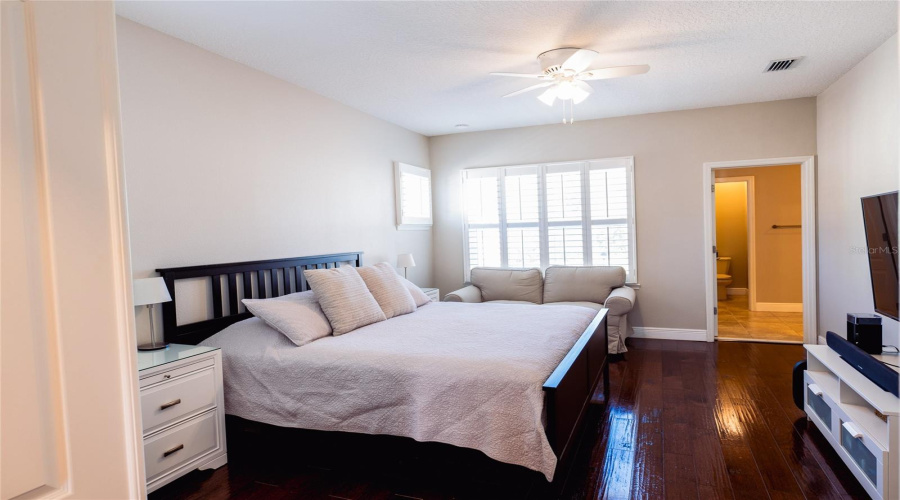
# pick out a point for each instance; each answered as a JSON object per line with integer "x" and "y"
{"x": 759, "y": 218}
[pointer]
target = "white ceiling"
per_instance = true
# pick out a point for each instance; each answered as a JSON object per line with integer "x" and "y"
{"x": 425, "y": 65}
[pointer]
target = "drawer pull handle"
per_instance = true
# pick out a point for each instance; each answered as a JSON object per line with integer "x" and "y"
{"x": 172, "y": 450}
{"x": 167, "y": 376}
{"x": 170, "y": 404}
{"x": 852, "y": 430}
{"x": 815, "y": 389}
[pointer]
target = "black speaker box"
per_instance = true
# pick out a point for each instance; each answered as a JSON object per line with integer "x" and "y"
{"x": 881, "y": 375}
{"x": 864, "y": 331}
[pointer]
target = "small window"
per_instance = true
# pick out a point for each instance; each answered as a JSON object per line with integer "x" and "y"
{"x": 413, "y": 190}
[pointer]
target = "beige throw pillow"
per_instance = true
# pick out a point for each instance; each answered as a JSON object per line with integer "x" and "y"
{"x": 297, "y": 316}
{"x": 417, "y": 294}
{"x": 388, "y": 289}
{"x": 344, "y": 298}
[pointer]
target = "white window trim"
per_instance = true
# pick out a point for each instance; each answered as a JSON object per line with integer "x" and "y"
{"x": 586, "y": 166}
{"x": 413, "y": 223}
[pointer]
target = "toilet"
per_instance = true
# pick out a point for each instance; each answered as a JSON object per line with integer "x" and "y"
{"x": 723, "y": 277}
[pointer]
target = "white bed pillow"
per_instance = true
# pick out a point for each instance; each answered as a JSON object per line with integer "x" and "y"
{"x": 297, "y": 316}
{"x": 417, "y": 294}
{"x": 344, "y": 298}
{"x": 388, "y": 289}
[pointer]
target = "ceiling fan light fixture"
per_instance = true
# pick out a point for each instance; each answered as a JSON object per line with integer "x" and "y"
{"x": 565, "y": 90}
{"x": 579, "y": 95}
{"x": 548, "y": 96}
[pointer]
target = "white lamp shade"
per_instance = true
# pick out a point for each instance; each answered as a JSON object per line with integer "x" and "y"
{"x": 150, "y": 291}
{"x": 405, "y": 260}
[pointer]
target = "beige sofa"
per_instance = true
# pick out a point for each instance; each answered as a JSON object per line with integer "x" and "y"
{"x": 589, "y": 286}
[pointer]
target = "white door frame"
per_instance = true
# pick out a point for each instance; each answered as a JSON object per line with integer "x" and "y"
{"x": 751, "y": 234}
{"x": 63, "y": 105}
{"x": 807, "y": 231}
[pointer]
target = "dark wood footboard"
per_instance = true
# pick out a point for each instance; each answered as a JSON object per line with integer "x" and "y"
{"x": 569, "y": 389}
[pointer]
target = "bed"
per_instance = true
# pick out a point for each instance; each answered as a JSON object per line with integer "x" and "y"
{"x": 509, "y": 380}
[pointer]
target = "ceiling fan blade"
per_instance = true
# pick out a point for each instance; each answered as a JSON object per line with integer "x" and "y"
{"x": 580, "y": 60}
{"x": 549, "y": 96}
{"x": 529, "y": 89}
{"x": 520, "y": 75}
{"x": 615, "y": 72}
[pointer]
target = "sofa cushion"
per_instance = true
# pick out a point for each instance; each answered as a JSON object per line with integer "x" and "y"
{"x": 512, "y": 302}
{"x": 591, "y": 305}
{"x": 509, "y": 284}
{"x": 581, "y": 283}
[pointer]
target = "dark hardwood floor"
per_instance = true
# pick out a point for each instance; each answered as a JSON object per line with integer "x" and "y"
{"x": 684, "y": 420}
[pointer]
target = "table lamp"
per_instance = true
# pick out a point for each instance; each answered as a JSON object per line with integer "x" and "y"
{"x": 149, "y": 292}
{"x": 405, "y": 260}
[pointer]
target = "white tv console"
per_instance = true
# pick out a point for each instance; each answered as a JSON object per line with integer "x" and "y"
{"x": 859, "y": 419}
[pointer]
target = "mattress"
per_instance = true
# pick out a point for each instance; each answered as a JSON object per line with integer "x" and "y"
{"x": 469, "y": 375}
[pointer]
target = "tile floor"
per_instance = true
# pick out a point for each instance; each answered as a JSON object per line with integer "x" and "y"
{"x": 737, "y": 321}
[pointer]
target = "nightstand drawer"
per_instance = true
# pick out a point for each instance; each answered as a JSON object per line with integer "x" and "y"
{"x": 179, "y": 445}
{"x": 166, "y": 403}
{"x": 174, "y": 373}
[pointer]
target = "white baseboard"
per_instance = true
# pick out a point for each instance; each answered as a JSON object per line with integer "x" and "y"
{"x": 736, "y": 291}
{"x": 645, "y": 332}
{"x": 782, "y": 307}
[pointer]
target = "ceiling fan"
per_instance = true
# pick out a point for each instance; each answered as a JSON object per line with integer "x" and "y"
{"x": 565, "y": 72}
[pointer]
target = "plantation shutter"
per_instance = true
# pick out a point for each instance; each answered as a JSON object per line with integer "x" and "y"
{"x": 416, "y": 199}
{"x": 523, "y": 214}
{"x": 413, "y": 192}
{"x": 610, "y": 214}
{"x": 482, "y": 200}
{"x": 565, "y": 231}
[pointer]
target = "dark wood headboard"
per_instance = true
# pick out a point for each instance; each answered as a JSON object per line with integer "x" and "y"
{"x": 284, "y": 276}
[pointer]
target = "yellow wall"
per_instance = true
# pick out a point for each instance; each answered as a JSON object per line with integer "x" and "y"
{"x": 779, "y": 276}
{"x": 731, "y": 228}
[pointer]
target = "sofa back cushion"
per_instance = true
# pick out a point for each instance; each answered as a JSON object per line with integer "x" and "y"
{"x": 509, "y": 284}
{"x": 581, "y": 283}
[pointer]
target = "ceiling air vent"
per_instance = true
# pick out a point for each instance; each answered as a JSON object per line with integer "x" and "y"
{"x": 782, "y": 64}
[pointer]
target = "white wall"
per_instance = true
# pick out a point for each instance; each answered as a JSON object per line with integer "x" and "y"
{"x": 669, "y": 151}
{"x": 225, "y": 163}
{"x": 858, "y": 130}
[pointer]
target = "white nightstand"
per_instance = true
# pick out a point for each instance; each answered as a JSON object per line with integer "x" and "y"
{"x": 433, "y": 293}
{"x": 182, "y": 410}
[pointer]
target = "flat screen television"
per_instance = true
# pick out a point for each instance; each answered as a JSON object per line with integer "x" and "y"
{"x": 880, "y": 216}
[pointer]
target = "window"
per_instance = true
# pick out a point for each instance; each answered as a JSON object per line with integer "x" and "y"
{"x": 413, "y": 191}
{"x": 575, "y": 213}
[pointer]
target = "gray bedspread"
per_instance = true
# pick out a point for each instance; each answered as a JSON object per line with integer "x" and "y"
{"x": 469, "y": 375}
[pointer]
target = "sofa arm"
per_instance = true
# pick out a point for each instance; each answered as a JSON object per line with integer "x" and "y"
{"x": 470, "y": 293}
{"x": 620, "y": 301}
